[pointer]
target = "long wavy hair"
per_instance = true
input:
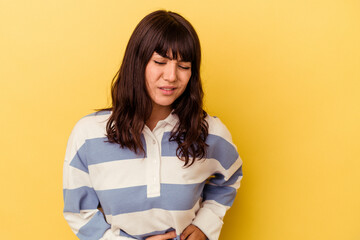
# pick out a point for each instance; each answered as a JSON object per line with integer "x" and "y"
{"x": 161, "y": 32}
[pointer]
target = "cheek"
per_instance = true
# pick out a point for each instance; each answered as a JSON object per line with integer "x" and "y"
{"x": 149, "y": 79}
{"x": 152, "y": 75}
{"x": 185, "y": 79}
{"x": 149, "y": 85}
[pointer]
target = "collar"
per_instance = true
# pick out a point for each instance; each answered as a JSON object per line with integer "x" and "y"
{"x": 172, "y": 119}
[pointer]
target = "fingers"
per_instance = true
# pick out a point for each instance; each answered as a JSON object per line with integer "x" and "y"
{"x": 192, "y": 233}
{"x": 164, "y": 236}
{"x": 168, "y": 235}
{"x": 188, "y": 230}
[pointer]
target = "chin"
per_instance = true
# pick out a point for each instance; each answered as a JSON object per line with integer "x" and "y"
{"x": 164, "y": 103}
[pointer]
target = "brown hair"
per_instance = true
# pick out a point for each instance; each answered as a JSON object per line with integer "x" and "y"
{"x": 160, "y": 31}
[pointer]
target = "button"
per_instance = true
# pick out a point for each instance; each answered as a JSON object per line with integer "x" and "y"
{"x": 154, "y": 142}
{"x": 154, "y": 179}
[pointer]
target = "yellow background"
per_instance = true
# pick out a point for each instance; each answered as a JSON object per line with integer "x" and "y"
{"x": 284, "y": 76}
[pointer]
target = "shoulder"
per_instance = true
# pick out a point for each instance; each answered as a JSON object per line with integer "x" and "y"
{"x": 218, "y": 128}
{"x": 91, "y": 125}
{"x": 220, "y": 144}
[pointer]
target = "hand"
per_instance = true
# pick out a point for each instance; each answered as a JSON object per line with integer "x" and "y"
{"x": 192, "y": 232}
{"x": 164, "y": 236}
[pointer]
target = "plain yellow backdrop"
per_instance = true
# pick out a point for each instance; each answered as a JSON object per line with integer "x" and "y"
{"x": 284, "y": 76}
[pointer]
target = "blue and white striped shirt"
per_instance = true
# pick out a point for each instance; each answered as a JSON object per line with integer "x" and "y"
{"x": 143, "y": 196}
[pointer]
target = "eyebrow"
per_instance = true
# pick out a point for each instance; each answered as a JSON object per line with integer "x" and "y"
{"x": 166, "y": 56}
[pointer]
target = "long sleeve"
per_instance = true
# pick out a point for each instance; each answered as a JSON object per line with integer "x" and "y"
{"x": 220, "y": 191}
{"x": 80, "y": 199}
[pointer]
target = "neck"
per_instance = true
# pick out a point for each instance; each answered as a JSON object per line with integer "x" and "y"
{"x": 158, "y": 113}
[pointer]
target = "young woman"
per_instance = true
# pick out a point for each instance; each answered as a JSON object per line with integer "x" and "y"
{"x": 155, "y": 165}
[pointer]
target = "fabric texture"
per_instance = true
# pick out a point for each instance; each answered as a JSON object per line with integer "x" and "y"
{"x": 144, "y": 195}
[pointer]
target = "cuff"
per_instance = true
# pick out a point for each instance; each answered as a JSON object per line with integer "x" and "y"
{"x": 209, "y": 223}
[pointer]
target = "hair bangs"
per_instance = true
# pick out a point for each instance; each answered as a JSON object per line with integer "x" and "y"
{"x": 178, "y": 40}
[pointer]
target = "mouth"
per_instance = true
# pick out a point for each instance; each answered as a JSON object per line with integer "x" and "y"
{"x": 167, "y": 90}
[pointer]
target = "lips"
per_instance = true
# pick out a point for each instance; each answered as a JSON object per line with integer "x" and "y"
{"x": 167, "y": 90}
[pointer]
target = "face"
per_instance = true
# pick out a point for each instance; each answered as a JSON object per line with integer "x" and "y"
{"x": 166, "y": 79}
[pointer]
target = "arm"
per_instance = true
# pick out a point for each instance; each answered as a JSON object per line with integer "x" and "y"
{"x": 220, "y": 191}
{"x": 80, "y": 199}
{"x": 218, "y": 198}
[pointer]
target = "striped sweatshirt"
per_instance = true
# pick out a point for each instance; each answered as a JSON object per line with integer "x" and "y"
{"x": 145, "y": 195}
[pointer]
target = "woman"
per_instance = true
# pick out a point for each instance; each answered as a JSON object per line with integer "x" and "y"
{"x": 155, "y": 165}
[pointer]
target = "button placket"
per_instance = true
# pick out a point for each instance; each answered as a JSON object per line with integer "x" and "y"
{"x": 153, "y": 166}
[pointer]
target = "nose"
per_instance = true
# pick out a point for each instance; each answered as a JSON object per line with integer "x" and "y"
{"x": 170, "y": 72}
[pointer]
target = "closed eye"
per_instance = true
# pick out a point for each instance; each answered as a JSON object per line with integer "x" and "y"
{"x": 184, "y": 67}
{"x": 161, "y": 63}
